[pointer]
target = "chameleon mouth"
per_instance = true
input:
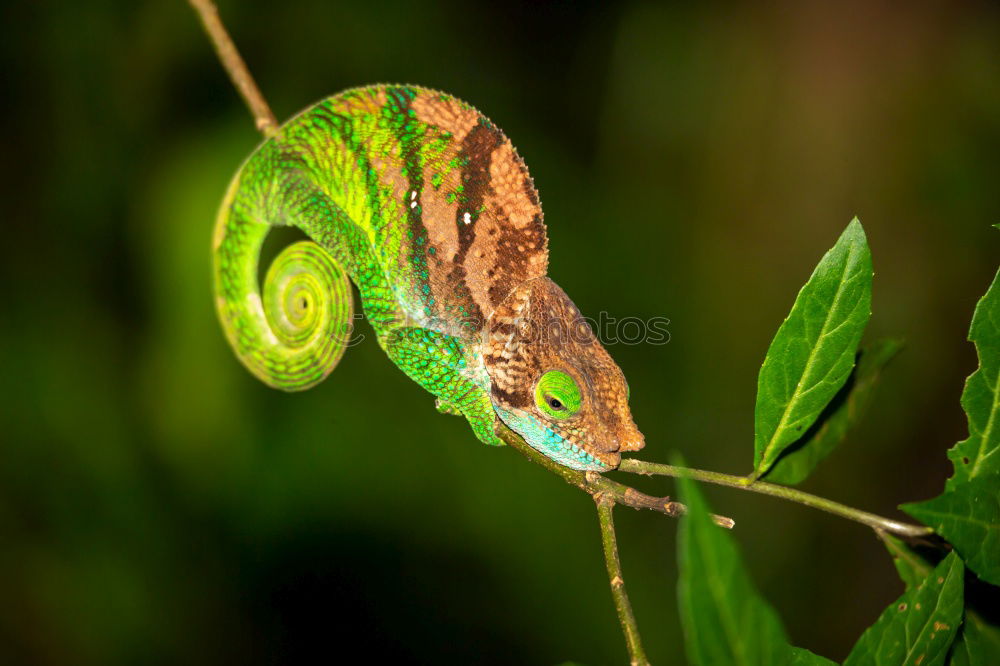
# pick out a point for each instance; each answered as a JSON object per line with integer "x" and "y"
{"x": 604, "y": 458}
{"x": 585, "y": 458}
{"x": 595, "y": 459}
{"x": 611, "y": 459}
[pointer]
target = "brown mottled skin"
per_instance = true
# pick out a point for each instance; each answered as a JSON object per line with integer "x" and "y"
{"x": 537, "y": 329}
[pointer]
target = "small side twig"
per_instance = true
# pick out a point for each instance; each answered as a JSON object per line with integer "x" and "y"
{"x": 595, "y": 483}
{"x": 237, "y": 69}
{"x": 872, "y": 520}
{"x": 605, "y": 514}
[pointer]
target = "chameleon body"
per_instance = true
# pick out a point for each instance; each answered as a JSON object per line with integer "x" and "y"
{"x": 422, "y": 203}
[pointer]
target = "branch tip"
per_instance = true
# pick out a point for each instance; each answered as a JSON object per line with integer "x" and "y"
{"x": 234, "y": 65}
{"x": 775, "y": 490}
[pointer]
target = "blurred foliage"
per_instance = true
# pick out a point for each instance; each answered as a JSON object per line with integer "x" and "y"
{"x": 157, "y": 504}
{"x": 725, "y": 619}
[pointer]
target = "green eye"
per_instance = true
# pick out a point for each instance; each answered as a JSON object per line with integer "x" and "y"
{"x": 557, "y": 395}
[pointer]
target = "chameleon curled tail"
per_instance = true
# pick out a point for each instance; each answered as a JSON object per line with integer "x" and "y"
{"x": 293, "y": 336}
{"x": 423, "y": 204}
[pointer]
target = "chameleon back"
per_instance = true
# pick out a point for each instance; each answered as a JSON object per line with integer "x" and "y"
{"x": 421, "y": 199}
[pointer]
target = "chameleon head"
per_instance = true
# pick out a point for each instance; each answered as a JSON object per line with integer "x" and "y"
{"x": 554, "y": 384}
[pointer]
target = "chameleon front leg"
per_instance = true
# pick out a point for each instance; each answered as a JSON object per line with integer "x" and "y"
{"x": 437, "y": 362}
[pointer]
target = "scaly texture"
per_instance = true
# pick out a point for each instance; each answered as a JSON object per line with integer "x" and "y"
{"x": 425, "y": 205}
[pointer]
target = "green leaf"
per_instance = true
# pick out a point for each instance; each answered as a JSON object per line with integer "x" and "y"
{"x": 978, "y": 454}
{"x": 912, "y": 568}
{"x": 725, "y": 621}
{"x": 802, "y": 657}
{"x": 839, "y": 416}
{"x": 969, "y": 517}
{"x": 968, "y": 513}
{"x": 978, "y": 643}
{"x": 918, "y": 627}
{"x": 812, "y": 353}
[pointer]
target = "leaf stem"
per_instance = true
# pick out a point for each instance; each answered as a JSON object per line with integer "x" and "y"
{"x": 605, "y": 510}
{"x": 235, "y": 67}
{"x": 775, "y": 490}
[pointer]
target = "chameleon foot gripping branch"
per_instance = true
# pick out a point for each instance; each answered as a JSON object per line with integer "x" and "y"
{"x": 425, "y": 205}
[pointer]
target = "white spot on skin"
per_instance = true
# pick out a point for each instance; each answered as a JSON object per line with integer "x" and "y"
{"x": 413, "y": 204}
{"x": 413, "y": 195}
{"x": 467, "y": 218}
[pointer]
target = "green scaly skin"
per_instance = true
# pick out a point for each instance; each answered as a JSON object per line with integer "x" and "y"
{"x": 424, "y": 205}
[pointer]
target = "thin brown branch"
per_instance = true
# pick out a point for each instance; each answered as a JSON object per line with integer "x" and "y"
{"x": 872, "y": 520}
{"x": 605, "y": 514}
{"x": 595, "y": 483}
{"x": 237, "y": 69}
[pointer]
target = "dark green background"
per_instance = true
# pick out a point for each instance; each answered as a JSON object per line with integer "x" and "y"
{"x": 159, "y": 505}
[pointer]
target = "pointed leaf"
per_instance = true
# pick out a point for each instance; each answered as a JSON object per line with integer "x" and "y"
{"x": 812, "y": 353}
{"x": 968, "y": 513}
{"x": 979, "y": 454}
{"x": 919, "y": 627}
{"x": 969, "y": 517}
{"x": 725, "y": 621}
{"x": 839, "y": 416}
{"x": 978, "y": 643}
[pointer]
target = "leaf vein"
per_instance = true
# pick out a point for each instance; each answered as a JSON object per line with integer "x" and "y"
{"x": 810, "y": 360}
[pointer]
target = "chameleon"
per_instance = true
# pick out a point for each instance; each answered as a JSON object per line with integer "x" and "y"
{"x": 424, "y": 205}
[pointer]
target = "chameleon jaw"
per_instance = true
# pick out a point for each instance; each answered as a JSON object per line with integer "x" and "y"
{"x": 545, "y": 440}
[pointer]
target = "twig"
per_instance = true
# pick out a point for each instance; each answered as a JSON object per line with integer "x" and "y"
{"x": 596, "y": 484}
{"x": 605, "y": 509}
{"x": 237, "y": 69}
{"x": 784, "y": 492}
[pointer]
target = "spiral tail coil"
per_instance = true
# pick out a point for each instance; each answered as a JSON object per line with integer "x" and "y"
{"x": 307, "y": 302}
{"x": 293, "y": 337}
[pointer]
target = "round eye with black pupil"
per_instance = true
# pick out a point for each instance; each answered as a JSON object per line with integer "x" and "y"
{"x": 557, "y": 395}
